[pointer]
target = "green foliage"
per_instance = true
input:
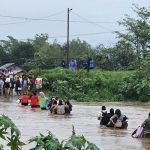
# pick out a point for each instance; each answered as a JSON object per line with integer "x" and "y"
{"x": 10, "y": 133}
{"x": 60, "y": 87}
{"x": 138, "y": 30}
{"x": 16, "y": 51}
{"x": 137, "y": 85}
{"x": 96, "y": 86}
{"x": 79, "y": 143}
{"x": 119, "y": 57}
{"x": 49, "y": 142}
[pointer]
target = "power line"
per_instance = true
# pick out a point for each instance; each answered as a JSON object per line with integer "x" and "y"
{"x": 90, "y": 21}
{"x": 30, "y": 21}
{"x": 76, "y": 21}
{"x": 43, "y": 18}
{"x": 27, "y": 19}
{"x": 54, "y": 14}
{"x": 3, "y": 24}
{"x": 86, "y": 34}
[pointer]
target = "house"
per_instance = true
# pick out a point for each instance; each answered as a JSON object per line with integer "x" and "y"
{"x": 14, "y": 68}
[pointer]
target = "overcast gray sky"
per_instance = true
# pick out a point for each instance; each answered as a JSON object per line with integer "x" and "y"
{"x": 90, "y": 20}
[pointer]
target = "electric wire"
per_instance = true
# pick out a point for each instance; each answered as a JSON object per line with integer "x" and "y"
{"x": 90, "y": 21}
{"x": 44, "y": 18}
{"x": 85, "y": 34}
{"x": 54, "y": 14}
{"x": 71, "y": 21}
{"x": 75, "y": 35}
{"x": 55, "y": 20}
{"x": 30, "y": 19}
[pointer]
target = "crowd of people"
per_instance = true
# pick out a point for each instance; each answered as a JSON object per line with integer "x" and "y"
{"x": 17, "y": 84}
{"x": 25, "y": 87}
{"x": 117, "y": 120}
{"x": 54, "y": 105}
{"x": 87, "y": 63}
{"x": 113, "y": 118}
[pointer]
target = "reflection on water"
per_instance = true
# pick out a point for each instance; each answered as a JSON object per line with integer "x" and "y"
{"x": 32, "y": 121}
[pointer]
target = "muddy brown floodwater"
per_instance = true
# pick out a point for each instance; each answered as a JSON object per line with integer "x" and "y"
{"x": 31, "y": 122}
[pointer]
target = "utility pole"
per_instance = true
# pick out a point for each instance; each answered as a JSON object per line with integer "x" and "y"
{"x": 68, "y": 11}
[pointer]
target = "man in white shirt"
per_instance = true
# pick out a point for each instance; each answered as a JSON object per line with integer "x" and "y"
{"x": 11, "y": 75}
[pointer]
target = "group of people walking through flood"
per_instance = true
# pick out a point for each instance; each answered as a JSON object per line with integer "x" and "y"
{"x": 28, "y": 89}
{"x": 113, "y": 118}
{"x": 55, "y": 105}
{"x": 117, "y": 120}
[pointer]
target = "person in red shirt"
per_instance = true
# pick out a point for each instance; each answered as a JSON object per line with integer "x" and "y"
{"x": 24, "y": 99}
{"x": 34, "y": 100}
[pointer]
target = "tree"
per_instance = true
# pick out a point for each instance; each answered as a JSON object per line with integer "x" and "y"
{"x": 45, "y": 55}
{"x": 137, "y": 31}
{"x": 125, "y": 55}
{"x": 16, "y": 51}
{"x": 119, "y": 57}
{"x": 48, "y": 56}
{"x": 80, "y": 50}
{"x": 39, "y": 41}
{"x": 3, "y": 55}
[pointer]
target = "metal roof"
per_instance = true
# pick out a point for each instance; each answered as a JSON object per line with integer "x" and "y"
{"x": 8, "y": 65}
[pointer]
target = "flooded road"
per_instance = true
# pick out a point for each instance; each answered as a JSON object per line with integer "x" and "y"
{"x": 31, "y": 122}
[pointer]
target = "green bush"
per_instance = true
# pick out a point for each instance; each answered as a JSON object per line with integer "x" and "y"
{"x": 137, "y": 85}
{"x": 10, "y": 133}
{"x": 97, "y": 85}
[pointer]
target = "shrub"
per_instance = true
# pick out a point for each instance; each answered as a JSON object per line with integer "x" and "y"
{"x": 137, "y": 85}
{"x": 10, "y": 133}
{"x": 98, "y": 85}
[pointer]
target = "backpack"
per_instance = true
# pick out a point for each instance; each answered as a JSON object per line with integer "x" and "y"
{"x": 105, "y": 119}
